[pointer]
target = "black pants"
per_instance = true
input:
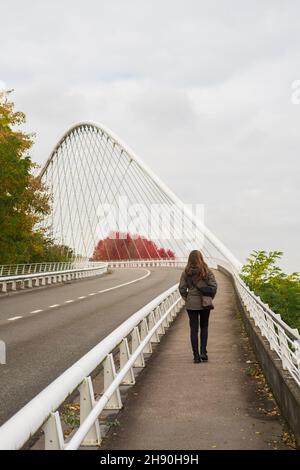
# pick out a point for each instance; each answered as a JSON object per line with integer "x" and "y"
{"x": 195, "y": 316}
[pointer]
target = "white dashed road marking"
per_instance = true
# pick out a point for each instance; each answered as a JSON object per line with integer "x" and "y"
{"x": 85, "y": 296}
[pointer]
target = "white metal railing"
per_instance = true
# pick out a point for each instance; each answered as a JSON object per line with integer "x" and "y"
{"x": 135, "y": 263}
{"x": 143, "y": 328}
{"x": 42, "y": 278}
{"x": 33, "y": 268}
{"x": 7, "y": 270}
{"x": 283, "y": 339}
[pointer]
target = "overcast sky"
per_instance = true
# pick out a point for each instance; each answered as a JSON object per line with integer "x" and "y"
{"x": 201, "y": 90}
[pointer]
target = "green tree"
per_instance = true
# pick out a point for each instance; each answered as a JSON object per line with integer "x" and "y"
{"x": 23, "y": 198}
{"x": 24, "y": 201}
{"x": 279, "y": 290}
{"x": 53, "y": 252}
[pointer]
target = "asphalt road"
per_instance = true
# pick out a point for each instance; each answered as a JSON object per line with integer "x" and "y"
{"x": 47, "y": 330}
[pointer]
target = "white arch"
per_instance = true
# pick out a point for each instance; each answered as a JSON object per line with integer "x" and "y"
{"x": 163, "y": 187}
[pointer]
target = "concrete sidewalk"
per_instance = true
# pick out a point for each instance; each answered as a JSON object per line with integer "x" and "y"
{"x": 177, "y": 404}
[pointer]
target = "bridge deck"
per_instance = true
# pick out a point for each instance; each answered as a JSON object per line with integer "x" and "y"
{"x": 177, "y": 404}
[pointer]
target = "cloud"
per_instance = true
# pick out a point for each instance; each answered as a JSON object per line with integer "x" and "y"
{"x": 164, "y": 109}
{"x": 201, "y": 90}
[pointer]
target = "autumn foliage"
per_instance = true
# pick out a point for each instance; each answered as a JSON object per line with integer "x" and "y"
{"x": 24, "y": 200}
{"x": 279, "y": 290}
{"x": 125, "y": 246}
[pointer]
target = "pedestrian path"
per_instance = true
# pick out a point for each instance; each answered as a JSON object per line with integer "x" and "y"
{"x": 177, "y": 404}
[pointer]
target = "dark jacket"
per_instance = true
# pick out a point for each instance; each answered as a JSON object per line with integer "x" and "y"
{"x": 189, "y": 289}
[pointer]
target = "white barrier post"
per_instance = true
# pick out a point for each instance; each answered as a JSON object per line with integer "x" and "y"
{"x": 87, "y": 403}
{"x": 2, "y": 352}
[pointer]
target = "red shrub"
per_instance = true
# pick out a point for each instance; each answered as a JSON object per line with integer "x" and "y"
{"x": 124, "y": 246}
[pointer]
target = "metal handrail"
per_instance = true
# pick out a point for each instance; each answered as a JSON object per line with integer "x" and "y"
{"x": 20, "y": 280}
{"x": 282, "y": 339}
{"x": 52, "y": 273}
{"x": 32, "y": 268}
{"x": 41, "y": 410}
{"x": 147, "y": 262}
{"x": 293, "y": 332}
{"x": 84, "y": 428}
{"x": 142, "y": 326}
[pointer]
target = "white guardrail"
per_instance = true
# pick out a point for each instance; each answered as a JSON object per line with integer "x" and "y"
{"x": 137, "y": 263}
{"x": 283, "y": 339}
{"x": 36, "y": 279}
{"x": 33, "y": 268}
{"x": 143, "y": 328}
{"x": 7, "y": 270}
{"x": 21, "y": 276}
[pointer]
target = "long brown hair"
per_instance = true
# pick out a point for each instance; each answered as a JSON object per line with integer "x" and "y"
{"x": 195, "y": 260}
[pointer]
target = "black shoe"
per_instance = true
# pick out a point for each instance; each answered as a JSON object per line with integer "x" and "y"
{"x": 197, "y": 358}
{"x": 204, "y": 357}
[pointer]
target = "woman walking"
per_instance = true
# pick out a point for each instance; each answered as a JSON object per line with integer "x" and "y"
{"x": 197, "y": 287}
